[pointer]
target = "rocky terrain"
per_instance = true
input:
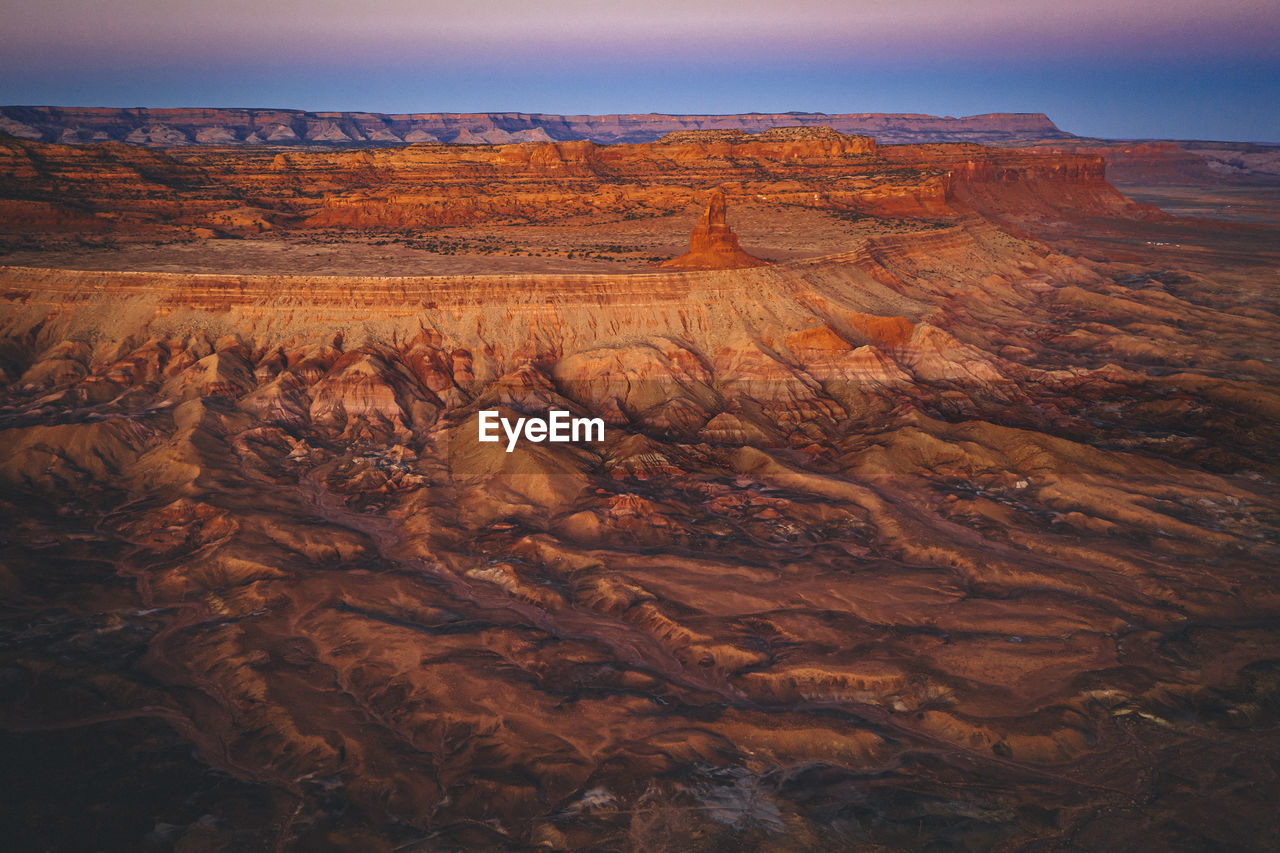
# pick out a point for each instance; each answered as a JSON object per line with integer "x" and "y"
{"x": 952, "y": 527}
{"x": 444, "y": 199}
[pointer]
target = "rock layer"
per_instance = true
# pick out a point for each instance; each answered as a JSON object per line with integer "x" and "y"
{"x": 120, "y": 189}
{"x": 963, "y": 537}
{"x": 170, "y": 127}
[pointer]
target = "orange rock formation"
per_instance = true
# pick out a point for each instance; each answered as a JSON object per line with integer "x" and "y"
{"x": 962, "y": 537}
{"x": 713, "y": 245}
{"x": 244, "y": 192}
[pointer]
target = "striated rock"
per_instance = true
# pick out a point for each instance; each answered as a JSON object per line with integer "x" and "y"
{"x": 498, "y": 136}
{"x": 364, "y": 392}
{"x": 242, "y": 193}
{"x": 843, "y": 369}
{"x": 637, "y": 382}
{"x": 222, "y": 373}
{"x": 324, "y": 131}
{"x": 216, "y": 135}
{"x": 956, "y": 534}
{"x": 934, "y": 355}
{"x": 21, "y": 130}
{"x": 420, "y": 136}
{"x": 98, "y": 124}
{"x": 158, "y": 135}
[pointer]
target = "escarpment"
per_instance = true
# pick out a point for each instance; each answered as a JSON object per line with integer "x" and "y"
{"x": 122, "y": 193}
{"x": 175, "y": 127}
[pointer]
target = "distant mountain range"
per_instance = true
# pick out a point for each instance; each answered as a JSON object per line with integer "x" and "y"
{"x": 166, "y": 128}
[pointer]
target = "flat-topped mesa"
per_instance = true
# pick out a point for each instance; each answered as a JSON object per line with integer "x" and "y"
{"x": 275, "y": 128}
{"x": 713, "y": 245}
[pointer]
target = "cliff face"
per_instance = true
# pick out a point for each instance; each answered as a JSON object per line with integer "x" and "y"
{"x": 176, "y": 127}
{"x": 1030, "y": 188}
{"x": 1147, "y": 162}
{"x": 1180, "y": 163}
{"x": 120, "y": 188}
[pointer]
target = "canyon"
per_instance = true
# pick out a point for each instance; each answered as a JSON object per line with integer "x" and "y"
{"x": 948, "y": 521}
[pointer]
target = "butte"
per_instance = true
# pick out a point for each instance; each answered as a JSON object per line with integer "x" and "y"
{"x": 713, "y": 245}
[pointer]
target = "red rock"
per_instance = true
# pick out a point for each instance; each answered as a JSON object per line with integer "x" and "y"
{"x": 713, "y": 245}
{"x": 883, "y": 546}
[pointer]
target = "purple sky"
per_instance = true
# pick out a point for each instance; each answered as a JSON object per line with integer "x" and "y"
{"x": 1176, "y": 68}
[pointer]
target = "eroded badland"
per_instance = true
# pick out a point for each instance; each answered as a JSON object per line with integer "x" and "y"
{"x": 936, "y": 509}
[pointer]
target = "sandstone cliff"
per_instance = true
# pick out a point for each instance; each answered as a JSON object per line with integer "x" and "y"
{"x": 117, "y": 188}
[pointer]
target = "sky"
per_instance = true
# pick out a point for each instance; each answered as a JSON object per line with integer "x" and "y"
{"x": 1181, "y": 69}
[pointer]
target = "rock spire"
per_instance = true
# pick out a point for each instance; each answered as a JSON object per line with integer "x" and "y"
{"x": 713, "y": 245}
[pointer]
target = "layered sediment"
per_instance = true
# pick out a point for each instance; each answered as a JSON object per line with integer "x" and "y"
{"x": 962, "y": 535}
{"x": 117, "y": 189}
{"x": 221, "y": 127}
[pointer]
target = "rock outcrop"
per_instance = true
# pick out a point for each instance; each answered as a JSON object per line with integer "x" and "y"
{"x": 713, "y": 245}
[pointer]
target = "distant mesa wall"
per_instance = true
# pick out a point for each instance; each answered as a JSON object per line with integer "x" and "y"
{"x": 118, "y": 188}
{"x": 1146, "y": 162}
{"x": 179, "y": 127}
